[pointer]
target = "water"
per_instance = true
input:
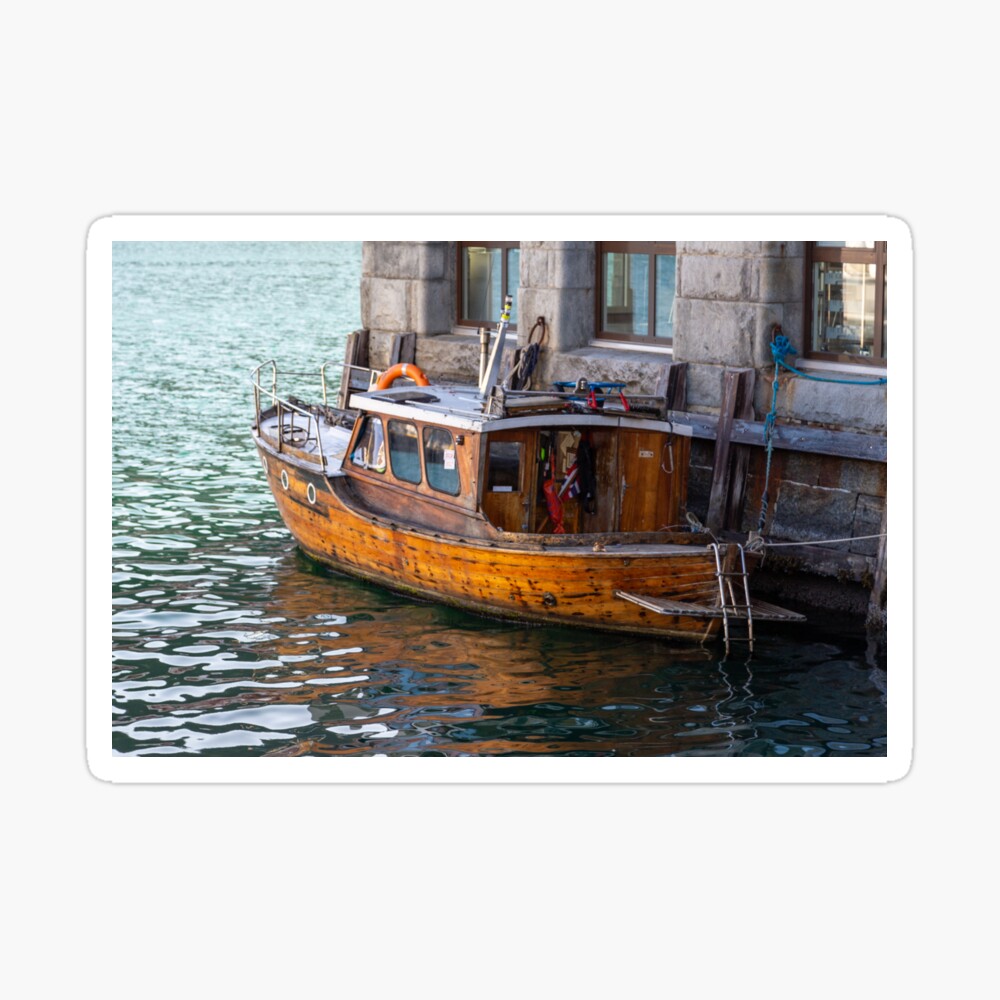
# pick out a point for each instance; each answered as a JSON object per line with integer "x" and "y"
{"x": 228, "y": 641}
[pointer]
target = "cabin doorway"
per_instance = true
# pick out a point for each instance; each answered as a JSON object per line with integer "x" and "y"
{"x": 506, "y": 491}
{"x": 570, "y": 480}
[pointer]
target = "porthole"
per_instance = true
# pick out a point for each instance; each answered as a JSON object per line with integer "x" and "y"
{"x": 263, "y": 461}
{"x": 311, "y": 493}
{"x": 284, "y": 479}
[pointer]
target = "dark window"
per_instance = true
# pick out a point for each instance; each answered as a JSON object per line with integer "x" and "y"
{"x": 440, "y": 460}
{"x": 404, "y": 451}
{"x": 637, "y": 282}
{"x": 487, "y": 273}
{"x": 504, "y": 472}
{"x": 846, "y": 302}
{"x": 369, "y": 452}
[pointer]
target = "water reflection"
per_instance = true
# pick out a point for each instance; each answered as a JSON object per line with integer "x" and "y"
{"x": 330, "y": 666}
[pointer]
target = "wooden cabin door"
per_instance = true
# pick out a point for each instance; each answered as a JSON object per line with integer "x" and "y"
{"x": 644, "y": 470}
{"x": 507, "y": 482}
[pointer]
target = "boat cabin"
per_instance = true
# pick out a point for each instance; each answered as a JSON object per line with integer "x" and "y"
{"x": 434, "y": 458}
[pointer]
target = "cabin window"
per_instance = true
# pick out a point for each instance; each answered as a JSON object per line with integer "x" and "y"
{"x": 847, "y": 316}
{"x": 441, "y": 460}
{"x": 638, "y": 283}
{"x": 504, "y": 472}
{"x": 489, "y": 272}
{"x": 404, "y": 451}
{"x": 369, "y": 451}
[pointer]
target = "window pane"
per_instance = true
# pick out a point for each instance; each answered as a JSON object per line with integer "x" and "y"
{"x": 440, "y": 460}
{"x": 404, "y": 451}
{"x": 626, "y": 293}
{"x": 885, "y": 314}
{"x": 844, "y": 308}
{"x": 504, "y": 468}
{"x": 369, "y": 452}
{"x": 666, "y": 283}
{"x": 482, "y": 285}
{"x": 513, "y": 282}
{"x": 846, "y": 243}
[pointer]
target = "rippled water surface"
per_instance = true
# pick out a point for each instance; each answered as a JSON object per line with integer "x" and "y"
{"x": 228, "y": 641}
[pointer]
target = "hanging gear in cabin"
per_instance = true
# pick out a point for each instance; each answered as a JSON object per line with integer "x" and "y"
{"x": 571, "y": 484}
{"x": 587, "y": 477}
{"x": 553, "y": 502}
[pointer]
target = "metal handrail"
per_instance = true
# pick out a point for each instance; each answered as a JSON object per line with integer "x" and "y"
{"x": 284, "y": 406}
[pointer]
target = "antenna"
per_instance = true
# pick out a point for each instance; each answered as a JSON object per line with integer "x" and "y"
{"x": 489, "y": 380}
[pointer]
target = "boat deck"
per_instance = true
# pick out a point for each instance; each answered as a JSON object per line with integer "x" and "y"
{"x": 311, "y": 438}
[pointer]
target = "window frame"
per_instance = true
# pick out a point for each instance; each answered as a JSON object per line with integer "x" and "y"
{"x": 426, "y": 432}
{"x": 847, "y": 255}
{"x": 421, "y": 478}
{"x": 369, "y": 420}
{"x": 655, "y": 249}
{"x": 460, "y": 254}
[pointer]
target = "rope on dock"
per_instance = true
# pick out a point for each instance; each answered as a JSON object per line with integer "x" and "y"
{"x": 825, "y": 541}
{"x": 781, "y": 347}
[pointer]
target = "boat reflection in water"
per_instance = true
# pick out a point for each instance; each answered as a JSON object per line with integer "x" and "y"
{"x": 393, "y": 676}
{"x": 323, "y": 665}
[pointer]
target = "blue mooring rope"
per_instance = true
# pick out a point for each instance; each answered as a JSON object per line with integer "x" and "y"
{"x": 780, "y": 349}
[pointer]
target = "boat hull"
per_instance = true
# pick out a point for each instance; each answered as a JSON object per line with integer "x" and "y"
{"x": 524, "y": 580}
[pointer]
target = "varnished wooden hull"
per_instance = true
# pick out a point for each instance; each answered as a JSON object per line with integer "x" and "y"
{"x": 564, "y": 584}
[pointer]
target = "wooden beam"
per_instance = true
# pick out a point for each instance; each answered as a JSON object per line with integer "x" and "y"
{"x": 876, "y": 603}
{"x": 403, "y": 349}
{"x": 789, "y": 437}
{"x": 729, "y": 467}
{"x": 821, "y": 440}
{"x": 356, "y": 352}
{"x": 671, "y": 387}
{"x": 355, "y": 355}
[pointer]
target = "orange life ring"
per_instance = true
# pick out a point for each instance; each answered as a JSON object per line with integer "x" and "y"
{"x": 405, "y": 371}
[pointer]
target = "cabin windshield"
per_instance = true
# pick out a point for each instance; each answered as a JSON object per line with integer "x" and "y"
{"x": 369, "y": 451}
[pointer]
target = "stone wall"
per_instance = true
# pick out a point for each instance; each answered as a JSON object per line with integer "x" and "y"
{"x": 406, "y": 288}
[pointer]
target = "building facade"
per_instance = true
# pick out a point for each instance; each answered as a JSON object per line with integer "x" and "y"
{"x": 625, "y": 312}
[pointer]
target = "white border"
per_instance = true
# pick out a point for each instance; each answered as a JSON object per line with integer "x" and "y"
{"x": 155, "y": 769}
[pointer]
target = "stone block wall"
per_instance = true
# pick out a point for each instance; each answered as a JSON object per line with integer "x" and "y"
{"x": 729, "y": 297}
{"x": 558, "y": 282}
{"x": 406, "y": 288}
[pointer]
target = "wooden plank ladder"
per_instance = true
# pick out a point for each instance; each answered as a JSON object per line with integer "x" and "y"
{"x": 735, "y": 604}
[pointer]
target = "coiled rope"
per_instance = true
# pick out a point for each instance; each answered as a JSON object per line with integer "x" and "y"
{"x": 781, "y": 348}
{"x": 520, "y": 377}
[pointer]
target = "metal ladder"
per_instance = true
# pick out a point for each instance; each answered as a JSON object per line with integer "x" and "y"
{"x": 732, "y": 609}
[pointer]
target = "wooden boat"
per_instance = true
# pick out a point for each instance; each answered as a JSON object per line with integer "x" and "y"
{"x": 557, "y": 508}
